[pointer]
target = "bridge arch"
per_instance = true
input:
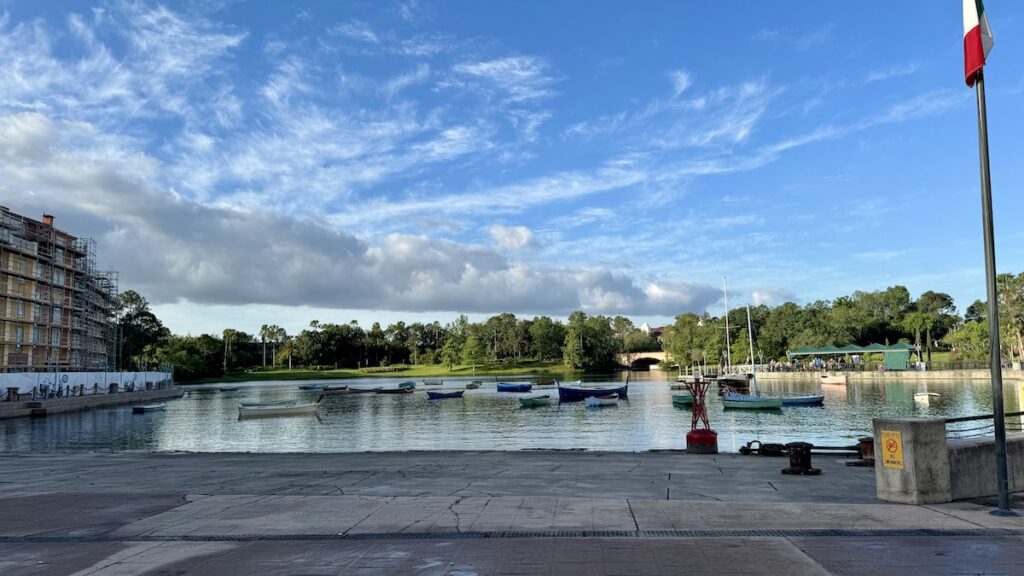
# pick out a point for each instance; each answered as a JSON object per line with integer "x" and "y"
{"x": 640, "y": 360}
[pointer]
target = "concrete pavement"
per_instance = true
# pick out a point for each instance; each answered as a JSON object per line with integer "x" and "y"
{"x": 476, "y": 513}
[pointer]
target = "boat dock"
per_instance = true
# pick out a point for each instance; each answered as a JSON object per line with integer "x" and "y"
{"x": 44, "y": 407}
{"x": 528, "y": 512}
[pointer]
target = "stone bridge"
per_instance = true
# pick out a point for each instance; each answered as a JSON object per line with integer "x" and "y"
{"x": 640, "y": 359}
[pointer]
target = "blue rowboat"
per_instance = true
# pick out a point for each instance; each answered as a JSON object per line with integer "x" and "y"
{"x": 578, "y": 392}
{"x": 441, "y": 395}
{"x": 808, "y": 400}
{"x": 747, "y": 402}
{"x": 514, "y": 386}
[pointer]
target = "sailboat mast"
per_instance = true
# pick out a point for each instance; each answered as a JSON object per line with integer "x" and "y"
{"x": 750, "y": 339}
{"x": 728, "y": 345}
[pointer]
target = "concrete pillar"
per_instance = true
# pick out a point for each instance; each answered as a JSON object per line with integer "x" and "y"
{"x": 911, "y": 460}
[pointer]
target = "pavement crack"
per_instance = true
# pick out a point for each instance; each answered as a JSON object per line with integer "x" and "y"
{"x": 458, "y": 519}
{"x": 954, "y": 517}
{"x": 632, "y": 515}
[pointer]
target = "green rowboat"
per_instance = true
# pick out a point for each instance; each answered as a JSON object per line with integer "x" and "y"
{"x": 534, "y": 401}
{"x": 682, "y": 399}
{"x": 407, "y": 384}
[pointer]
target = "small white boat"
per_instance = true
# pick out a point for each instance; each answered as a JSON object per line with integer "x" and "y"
{"x": 278, "y": 403}
{"x": 148, "y": 408}
{"x": 277, "y": 409}
{"x": 833, "y": 378}
{"x": 925, "y": 397}
{"x": 606, "y": 400}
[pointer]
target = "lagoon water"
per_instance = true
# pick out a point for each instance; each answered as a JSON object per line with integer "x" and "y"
{"x": 206, "y": 420}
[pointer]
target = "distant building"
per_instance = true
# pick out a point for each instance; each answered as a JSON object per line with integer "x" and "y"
{"x": 56, "y": 309}
{"x": 656, "y": 331}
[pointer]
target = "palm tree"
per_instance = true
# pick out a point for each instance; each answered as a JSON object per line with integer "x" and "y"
{"x": 264, "y": 335}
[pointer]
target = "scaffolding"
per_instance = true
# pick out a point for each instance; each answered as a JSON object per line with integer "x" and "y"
{"x": 56, "y": 308}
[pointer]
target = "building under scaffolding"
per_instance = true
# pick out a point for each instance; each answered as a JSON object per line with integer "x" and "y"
{"x": 56, "y": 308}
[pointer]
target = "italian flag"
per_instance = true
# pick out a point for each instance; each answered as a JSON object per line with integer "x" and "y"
{"x": 977, "y": 39}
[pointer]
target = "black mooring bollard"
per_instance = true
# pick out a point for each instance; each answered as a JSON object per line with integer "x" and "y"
{"x": 800, "y": 459}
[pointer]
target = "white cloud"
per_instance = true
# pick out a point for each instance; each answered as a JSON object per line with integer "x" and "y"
{"x": 800, "y": 42}
{"x": 356, "y": 30}
{"x": 511, "y": 237}
{"x": 771, "y": 296}
{"x": 514, "y": 78}
{"x": 892, "y": 72}
{"x": 681, "y": 80}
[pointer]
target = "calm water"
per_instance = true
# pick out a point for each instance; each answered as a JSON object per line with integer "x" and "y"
{"x": 207, "y": 420}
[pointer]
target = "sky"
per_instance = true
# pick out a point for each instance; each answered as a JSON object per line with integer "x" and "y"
{"x": 248, "y": 163}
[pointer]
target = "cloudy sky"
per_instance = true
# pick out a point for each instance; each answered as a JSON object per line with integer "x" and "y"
{"x": 277, "y": 162}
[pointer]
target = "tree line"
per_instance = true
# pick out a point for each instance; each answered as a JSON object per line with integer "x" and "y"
{"x": 584, "y": 341}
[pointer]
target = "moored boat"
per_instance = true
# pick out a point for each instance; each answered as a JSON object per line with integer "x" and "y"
{"x": 833, "y": 378}
{"x": 231, "y": 389}
{"x": 577, "y": 392}
{"x": 354, "y": 390}
{"x": 436, "y": 395}
{"x": 310, "y": 386}
{"x": 277, "y": 409}
{"x": 747, "y": 402}
{"x": 534, "y": 401}
{"x": 514, "y": 386}
{"x": 407, "y": 384}
{"x": 604, "y": 400}
{"x": 148, "y": 408}
{"x": 278, "y": 403}
{"x": 393, "y": 390}
{"x": 473, "y": 385}
{"x": 685, "y": 399}
{"x": 543, "y": 381}
{"x": 433, "y": 382}
{"x": 803, "y": 400}
{"x": 343, "y": 389}
{"x": 739, "y": 381}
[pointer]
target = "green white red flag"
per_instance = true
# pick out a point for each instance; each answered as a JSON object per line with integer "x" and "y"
{"x": 978, "y": 39}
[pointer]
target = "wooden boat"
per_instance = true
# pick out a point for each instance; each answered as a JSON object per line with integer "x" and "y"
{"x": 311, "y": 386}
{"x": 278, "y": 403}
{"x": 514, "y": 386}
{"x": 233, "y": 389}
{"x": 605, "y": 400}
{"x": 335, "y": 389}
{"x": 746, "y": 402}
{"x": 577, "y": 392}
{"x": 683, "y": 399}
{"x": 276, "y": 409}
{"x": 833, "y": 378}
{"x": 393, "y": 390}
{"x": 541, "y": 382}
{"x": 433, "y": 382}
{"x": 148, "y": 408}
{"x": 534, "y": 401}
{"x": 803, "y": 400}
{"x": 473, "y": 385}
{"x": 434, "y": 395}
{"x": 407, "y": 384}
{"x": 353, "y": 390}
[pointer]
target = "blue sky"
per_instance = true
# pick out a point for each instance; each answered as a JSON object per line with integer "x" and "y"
{"x": 249, "y": 163}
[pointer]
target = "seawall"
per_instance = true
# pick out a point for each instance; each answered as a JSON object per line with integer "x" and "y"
{"x": 39, "y": 408}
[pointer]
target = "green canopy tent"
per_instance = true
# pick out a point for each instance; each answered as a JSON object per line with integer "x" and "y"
{"x": 894, "y": 357}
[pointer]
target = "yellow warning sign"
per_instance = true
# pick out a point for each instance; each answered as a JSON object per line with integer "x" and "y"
{"x": 892, "y": 449}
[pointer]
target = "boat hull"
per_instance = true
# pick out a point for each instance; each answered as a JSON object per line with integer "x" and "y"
{"x": 271, "y": 411}
{"x": 443, "y": 395}
{"x": 761, "y": 404}
{"x": 514, "y": 387}
{"x": 534, "y": 401}
{"x": 600, "y": 401}
{"x": 682, "y": 399}
{"x": 394, "y": 390}
{"x": 809, "y": 400}
{"x": 149, "y": 408}
{"x": 577, "y": 394}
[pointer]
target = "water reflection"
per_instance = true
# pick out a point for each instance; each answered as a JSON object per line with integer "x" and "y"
{"x": 207, "y": 420}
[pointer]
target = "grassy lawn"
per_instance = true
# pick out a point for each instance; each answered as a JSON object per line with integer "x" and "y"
{"x": 556, "y": 369}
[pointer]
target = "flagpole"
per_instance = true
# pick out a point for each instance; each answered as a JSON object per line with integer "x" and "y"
{"x": 998, "y": 411}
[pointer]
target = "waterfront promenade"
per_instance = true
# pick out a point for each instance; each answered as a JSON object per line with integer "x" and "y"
{"x": 537, "y": 512}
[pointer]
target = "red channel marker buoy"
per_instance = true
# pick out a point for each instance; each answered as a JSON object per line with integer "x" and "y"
{"x": 701, "y": 439}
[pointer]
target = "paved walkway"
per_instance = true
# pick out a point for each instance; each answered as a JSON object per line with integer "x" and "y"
{"x": 465, "y": 513}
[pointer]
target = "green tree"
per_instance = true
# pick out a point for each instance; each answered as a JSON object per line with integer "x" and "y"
{"x": 138, "y": 327}
{"x": 589, "y": 342}
{"x": 548, "y": 337}
{"x": 473, "y": 352}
